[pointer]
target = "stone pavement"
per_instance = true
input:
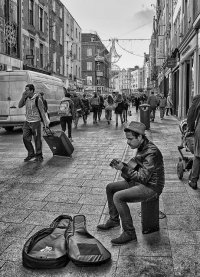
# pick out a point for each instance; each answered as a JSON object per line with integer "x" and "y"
{"x": 32, "y": 195}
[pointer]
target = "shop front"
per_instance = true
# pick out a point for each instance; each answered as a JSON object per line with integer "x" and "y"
{"x": 188, "y": 69}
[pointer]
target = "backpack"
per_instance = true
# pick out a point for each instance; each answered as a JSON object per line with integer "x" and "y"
{"x": 95, "y": 101}
{"x": 64, "y": 108}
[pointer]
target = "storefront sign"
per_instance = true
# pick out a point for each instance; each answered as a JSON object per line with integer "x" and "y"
{"x": 99, "y": 73}
{"x": 161, "y": 47}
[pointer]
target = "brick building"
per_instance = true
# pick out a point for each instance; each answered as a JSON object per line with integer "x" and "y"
{"x": 95, "y": 64}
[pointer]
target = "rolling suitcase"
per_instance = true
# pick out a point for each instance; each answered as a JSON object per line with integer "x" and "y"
{"x": 58, "y": 142}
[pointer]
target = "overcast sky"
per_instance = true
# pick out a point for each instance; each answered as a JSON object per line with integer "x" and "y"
{"x": 121, "y": 19}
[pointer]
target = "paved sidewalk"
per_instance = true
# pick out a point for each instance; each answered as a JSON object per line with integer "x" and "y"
{"x": 32, "y": 195}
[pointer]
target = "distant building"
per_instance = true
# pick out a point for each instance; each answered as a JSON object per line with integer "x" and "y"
{"x": 95, "y": 63}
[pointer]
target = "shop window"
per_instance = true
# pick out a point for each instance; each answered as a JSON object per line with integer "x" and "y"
{"x": 89, "y": 80}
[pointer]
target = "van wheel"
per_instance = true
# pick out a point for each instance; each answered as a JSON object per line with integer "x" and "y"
{"x": 9, "y": 129}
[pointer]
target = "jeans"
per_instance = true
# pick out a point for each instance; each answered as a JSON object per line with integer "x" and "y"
{"x": 95, "y": 109}
{"x": 125, "y": 113}
{"x": 162, "y": 112}
{"x": 66, "y": 120}
{"x": 32, "y": 129}
{"x": 108, "y": 114}
{"x": 119, "y": 194}
{"x": 195, "y": 171}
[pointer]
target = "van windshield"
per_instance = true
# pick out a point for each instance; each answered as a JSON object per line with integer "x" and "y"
{"x": 13, "y": 89}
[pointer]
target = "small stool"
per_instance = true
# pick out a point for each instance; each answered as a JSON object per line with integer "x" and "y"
{"x": 150, "y": 215}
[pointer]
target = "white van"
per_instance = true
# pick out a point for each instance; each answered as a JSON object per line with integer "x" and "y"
{"x": 12, "y": 85}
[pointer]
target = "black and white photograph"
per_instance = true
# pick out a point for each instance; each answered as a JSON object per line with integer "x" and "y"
{"x": 99, "y": 138}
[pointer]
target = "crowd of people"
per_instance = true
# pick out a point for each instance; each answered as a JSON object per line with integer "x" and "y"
{"x": 74, "y": 106}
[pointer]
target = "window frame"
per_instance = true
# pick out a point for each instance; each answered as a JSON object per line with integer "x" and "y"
{"x": 41, "y": 24}
{"x": 31, "y": 17}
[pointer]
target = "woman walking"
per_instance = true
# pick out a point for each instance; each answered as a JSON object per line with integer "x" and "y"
{"x": 126, "y": 105}
{"x": 169, "y": 104}
{"x": 109, "y": 104}
{"x": 119, "y": 108}
{"x": 86, "y": 108}
{"x": 95, "y": 102}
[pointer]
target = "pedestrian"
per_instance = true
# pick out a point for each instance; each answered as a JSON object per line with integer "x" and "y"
{"x": 78, "y": 108}
{"x": 144, "y": 178}
{"x": 109, "y": 106}
{"x": 101, "y": 106}
{"x": 162, "y": 105}
{"x": 153, "y": 102}
{"x": 169, "y": 104}
{"x": 137, "y": 103}
{"x": 66, "y": 112}
{"x": 86, "y": 108}
{"x": 32, "y": 126}
{"x": 126, "y": 106}
{"x": 95, "y": 102}
{"x": 193, "y": 123}
{"x": 119, "y": 108}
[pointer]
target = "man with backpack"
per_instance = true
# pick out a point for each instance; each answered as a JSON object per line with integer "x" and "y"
{"x": 66, "y": 112}
{"x": 95, "y": 102}
{"x": 153, "y": 102}
{"x": 32, "y": 126}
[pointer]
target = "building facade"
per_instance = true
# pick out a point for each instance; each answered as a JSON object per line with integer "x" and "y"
{"x": 95, "y": 64}
{"x": 41, "y": 35}
{"x": 177, "y": 36}
{"x": 10, "y": 34}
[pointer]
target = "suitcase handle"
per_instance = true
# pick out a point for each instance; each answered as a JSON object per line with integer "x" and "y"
{"x": 48, "y": 131}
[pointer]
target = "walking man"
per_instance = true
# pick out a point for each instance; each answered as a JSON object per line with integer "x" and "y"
{"x": 66, "y": 112}
{"x": 153, "y": 102}
{"x": 143, "y": 179}
{"x": 32, "y": 126}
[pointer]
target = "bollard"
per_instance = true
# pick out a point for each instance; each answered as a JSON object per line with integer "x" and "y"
{"x": 145, "y": 115}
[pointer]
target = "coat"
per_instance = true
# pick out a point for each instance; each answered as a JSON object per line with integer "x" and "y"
{"x": 162, "y": 102}
{"x": 193, "y": 125}
{"x": 169, "y": 102}
{"x": 148, "y": 167}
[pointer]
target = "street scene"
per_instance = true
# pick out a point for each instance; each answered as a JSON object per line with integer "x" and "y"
{"x": 33, "y": 195}
{"x": 99, "y": 138}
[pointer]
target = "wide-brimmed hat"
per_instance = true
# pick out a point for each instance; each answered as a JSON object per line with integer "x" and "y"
{"x": 136, "y": 127}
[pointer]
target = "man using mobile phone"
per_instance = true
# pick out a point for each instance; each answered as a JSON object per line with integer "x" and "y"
{"x": 143, "y": 179}
{"x": 32, "y": 125}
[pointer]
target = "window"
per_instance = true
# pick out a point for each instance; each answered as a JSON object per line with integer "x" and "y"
{"x": 67, "y": 29}
{"x": 32, "y": 49}
{"x": 89, "y": 66}
{"x": 89, "y": 52}
{"x": 54, "y": 62}
{"x": 98, "y": 66}
{"x": 31, "y": 12}
{"x": 41, "y": 55}
{"x": 54, "y": 31}
{"x": 61, "y": 12}
{"x": 89, "y": 80}
{"x": 61, "y": 36}
{"x": 98, "y": 81}
{"x": 54, "y": 5}
{"x": 41, "y": 19}
{"x": 76, "y": 33}
{"x": 61, "y": 65}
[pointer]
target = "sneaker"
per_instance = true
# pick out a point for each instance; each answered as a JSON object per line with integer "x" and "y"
{"x": 192, "y": 184}
{"x": 110, "y": 224}
{"x": 124, "y": 238}
{"x": 38, "y": 159}
{"x": 28, "y": 158}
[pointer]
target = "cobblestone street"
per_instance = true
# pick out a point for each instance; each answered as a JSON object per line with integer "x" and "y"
{"x": 32, "y": 195}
